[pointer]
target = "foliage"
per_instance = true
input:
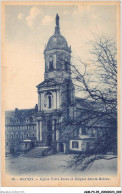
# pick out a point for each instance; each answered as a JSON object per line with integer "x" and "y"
{"x": 98, "y": 107}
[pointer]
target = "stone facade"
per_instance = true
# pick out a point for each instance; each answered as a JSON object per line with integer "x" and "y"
{"x": 20, "y": 125}
{"x": 47, "y": 124}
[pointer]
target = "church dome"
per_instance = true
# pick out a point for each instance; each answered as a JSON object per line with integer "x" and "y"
{"x": 57, "y": 41}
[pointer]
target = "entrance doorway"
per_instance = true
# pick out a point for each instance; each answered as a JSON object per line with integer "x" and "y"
{"x": 61, "y": 147}
{"x": 49, "y": 140}
{"x": 12, "y": 151}
{"x": 49, "y": 132}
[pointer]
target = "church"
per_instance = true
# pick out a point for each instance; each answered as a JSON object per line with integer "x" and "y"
{"x": 50, "y": 126}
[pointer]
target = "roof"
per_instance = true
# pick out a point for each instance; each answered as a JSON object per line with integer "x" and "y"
{"x": 48, "y": 83}
{"x": 19, "y": 114}
{"x": 57, "y": 41}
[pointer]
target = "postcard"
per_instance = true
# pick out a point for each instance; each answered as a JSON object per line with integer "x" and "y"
{"x": 60, "y": 123}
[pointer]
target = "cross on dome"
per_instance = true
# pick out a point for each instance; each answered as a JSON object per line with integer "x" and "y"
{"x": 57, "y": 28}
{"x": 57, "y": 41}
{"x": 57, "y": 20}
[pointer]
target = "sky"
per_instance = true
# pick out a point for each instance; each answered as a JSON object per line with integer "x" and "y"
{"x": 27, "y": 31}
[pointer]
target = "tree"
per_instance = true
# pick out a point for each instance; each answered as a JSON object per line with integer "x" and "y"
{"x": 98, "y": 107}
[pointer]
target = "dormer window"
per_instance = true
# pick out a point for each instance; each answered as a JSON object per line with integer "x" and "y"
{"x": 27, "y": 120}
{"x": 16, "y": 120}
{"x": 51, "y": 64}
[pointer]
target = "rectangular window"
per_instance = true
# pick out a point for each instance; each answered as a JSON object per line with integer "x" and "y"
{"x": 17, "y": 135}
{"x": 74, "y": 144}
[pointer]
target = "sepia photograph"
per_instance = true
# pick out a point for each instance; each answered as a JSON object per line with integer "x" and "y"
{"x": 60, "y": 93}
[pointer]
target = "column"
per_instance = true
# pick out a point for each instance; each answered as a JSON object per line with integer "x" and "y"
{"x": 80, "y": 131}
{"x": 54, "y": 100}
{"x": 40, "y": 130}
{"x": 58, "y": 99}
{"x": 42, "y": 101}
{"x": 37, "y": 131}
{"x": 39, "y": 101}
{"x": 57, "y": 135}
{"x": 53, "y": 130}
{"x": 58, "y": 147}
{"x": 64, "y": 144}
{"x": 53, "y": 125}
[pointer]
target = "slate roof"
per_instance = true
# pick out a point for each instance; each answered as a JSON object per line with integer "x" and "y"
{"x": 20, "y": 114}
{"x": 57, "y": 41}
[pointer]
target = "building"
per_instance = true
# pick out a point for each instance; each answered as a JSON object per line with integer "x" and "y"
{"x": 52, "y": 122}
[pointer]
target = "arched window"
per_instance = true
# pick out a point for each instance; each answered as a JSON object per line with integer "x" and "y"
{"x": 27, "y": 135}
{"x": 48, "y": 100}
{"x": 12, "y": 136}
{"x": 66, "y": 63}
{"x": 17, "y": 135}
{"x": 51, "y": 64}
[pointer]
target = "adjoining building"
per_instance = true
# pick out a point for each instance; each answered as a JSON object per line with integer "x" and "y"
{"x": 52, "y": 123}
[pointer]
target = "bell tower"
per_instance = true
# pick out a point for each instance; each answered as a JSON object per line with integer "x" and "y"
{"x": 57, "y": 55}
{"x": 56, "y": 92}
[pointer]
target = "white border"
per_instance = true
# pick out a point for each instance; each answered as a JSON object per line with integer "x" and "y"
{"x": 58, "y": 189}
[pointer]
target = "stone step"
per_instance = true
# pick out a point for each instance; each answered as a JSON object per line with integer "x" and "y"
{"x": 38, "y": 152}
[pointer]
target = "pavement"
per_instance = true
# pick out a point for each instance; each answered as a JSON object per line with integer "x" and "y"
{"x": 56, "y": 165}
